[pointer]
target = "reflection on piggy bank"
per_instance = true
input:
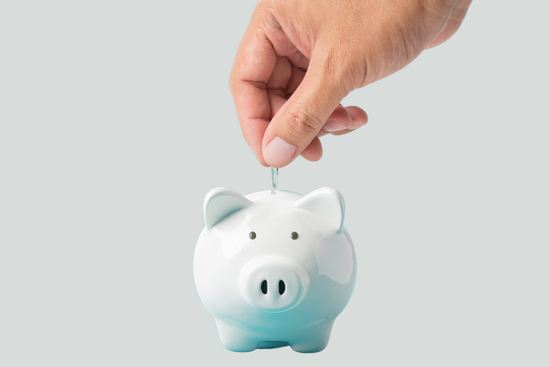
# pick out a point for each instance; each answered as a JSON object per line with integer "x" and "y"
{"x": 274, "y": 268}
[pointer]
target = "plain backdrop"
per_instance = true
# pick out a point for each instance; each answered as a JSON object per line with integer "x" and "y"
{"x": 116, "y": 119}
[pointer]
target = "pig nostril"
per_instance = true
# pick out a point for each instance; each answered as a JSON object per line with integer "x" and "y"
{"x": 282, "y": 287}
{"x": 264, "y": 287}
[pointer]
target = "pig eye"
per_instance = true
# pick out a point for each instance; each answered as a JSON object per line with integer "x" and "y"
{"x": 294, "y": 235}
{"x": 252, "y": 235}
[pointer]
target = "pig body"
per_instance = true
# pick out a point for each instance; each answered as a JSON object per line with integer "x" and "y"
{"x": 274, "y": 268}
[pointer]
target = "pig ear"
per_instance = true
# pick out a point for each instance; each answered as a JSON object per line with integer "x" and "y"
{"x": 326, "y": 202}
{"x": 221, "y": 202}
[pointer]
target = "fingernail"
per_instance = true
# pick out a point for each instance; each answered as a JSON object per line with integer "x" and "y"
{"x": 355, "y": 125}
{"x": 278, "y": 152}
{"x": 332, "y": 126}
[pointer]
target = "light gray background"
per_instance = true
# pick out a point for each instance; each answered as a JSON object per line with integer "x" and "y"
{"x": 116, "y": 119}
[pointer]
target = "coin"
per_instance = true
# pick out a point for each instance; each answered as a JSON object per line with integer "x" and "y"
{"x": 274, "y": 177}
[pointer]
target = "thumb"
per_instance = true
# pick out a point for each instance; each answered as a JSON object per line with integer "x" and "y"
{"x": 301, "y": 118}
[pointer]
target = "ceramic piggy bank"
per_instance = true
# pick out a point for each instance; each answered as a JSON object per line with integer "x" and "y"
{"x": 274, "y": 268}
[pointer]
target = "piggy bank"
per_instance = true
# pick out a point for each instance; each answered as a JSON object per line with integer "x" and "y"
{"x": 274, "y": 268}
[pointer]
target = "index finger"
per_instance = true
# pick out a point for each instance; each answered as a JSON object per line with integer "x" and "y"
{"x": 253, "y": 66}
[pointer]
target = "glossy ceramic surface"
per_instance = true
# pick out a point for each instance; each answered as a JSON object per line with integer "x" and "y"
{"x": 274, "y": 268}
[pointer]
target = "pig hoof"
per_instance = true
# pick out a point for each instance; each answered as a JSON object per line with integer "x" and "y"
{"x": 240, "y": 347}
{"x": 308, "y": 347}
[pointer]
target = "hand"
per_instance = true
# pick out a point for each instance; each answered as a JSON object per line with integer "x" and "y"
{"x": 299, "y": 58}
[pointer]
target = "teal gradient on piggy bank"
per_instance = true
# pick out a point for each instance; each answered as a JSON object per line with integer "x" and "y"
{"x": 274, "y": 268}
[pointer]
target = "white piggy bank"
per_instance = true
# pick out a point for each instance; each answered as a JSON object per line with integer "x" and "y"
{"x": 274, "y": 268}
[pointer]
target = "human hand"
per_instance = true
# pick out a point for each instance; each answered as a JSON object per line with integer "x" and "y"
{"x": 299, "y": 58}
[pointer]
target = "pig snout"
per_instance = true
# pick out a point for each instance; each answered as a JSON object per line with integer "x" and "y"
{"x": 273, "y": 283}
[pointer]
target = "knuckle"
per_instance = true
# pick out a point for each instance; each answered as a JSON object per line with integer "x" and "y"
{"x": 303, "y": 125}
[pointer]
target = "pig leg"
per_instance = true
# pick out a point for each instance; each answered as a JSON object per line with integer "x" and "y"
{"x": 236, "y": 339}
{"x": 314, "y": 339}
